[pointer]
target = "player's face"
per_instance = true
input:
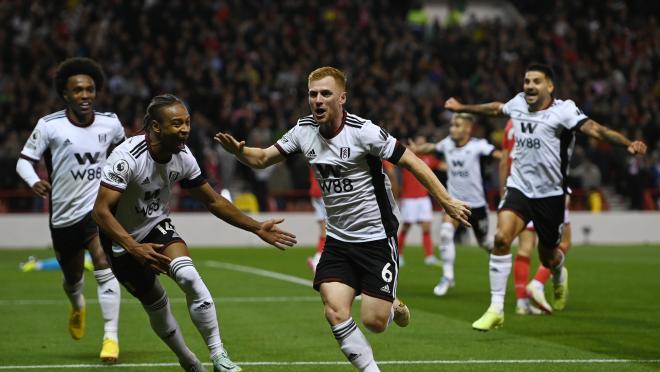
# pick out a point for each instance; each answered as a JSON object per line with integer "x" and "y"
{"x": 326, "y": 98}
{"x": 459, "y": 129}
{"x": 538, "y": 89}
{"x": 174, "y": 127}
{"x": 79, "y": 94}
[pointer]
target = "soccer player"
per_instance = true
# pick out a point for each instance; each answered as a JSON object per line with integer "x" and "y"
{"x": 533, "y": 291}
{"x": 463, "y": 156}
{"x": 416, "y": 207}
{"x": 544, "y": 128}
{"x": 316, "y": 198}
{"x": 360, "y": 254}
{"x": 139, "y": 238}
{"x": 75, "y": 143}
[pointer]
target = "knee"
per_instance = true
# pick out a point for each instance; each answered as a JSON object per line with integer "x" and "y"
{"x": 375, "y": 324}
{"x": 502, "y": 242}
{"x": 335, "y": 315}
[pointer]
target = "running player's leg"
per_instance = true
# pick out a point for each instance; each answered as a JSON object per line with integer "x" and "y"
{"x": 200, "y": 302}
{"x": 403, "y": 233}
{"x": 543, "y": 273}
{"x": 447, "y": 254}
{"x": 109, "y": 296}
{"x": 336, "y": 280}
{"x": 513, "y": 215}
{"x": 526, "y": 245}
{"x": 142, "y": 283}
{"x": 409, "y": 217}
{"x": 549, "y": 224}
{"x": 69, "y": 244}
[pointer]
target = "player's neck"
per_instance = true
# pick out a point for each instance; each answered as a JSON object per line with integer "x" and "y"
{"x": 156, "y": 150}
{"x": 82, "y": 120}
{"x": 541, "y": 105}
{"x": 334, "y": 127}
{"x": 462, "y": 142}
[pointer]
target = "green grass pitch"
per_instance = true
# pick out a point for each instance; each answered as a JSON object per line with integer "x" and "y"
{"x": 613, "y": 313}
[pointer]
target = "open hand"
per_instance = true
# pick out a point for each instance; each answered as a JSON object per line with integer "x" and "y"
{"x": 458, "y": 210}
{"x": 272, "y": 235}
{"x": 229, "y": 143}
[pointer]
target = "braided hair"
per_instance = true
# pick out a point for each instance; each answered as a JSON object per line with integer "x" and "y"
{"x": 157, "y": 103}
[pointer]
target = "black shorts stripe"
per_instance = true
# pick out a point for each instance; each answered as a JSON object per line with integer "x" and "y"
{"x": 389, "y": 220}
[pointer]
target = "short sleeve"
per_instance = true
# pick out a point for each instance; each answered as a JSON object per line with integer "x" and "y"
{"x": 193, "y": 174}
{"x": 118, "y": 170}
{"x": 120, "y": 134}
{"x": 37, "y": 143}
{"x": 380, "y": 143}
{"x": 440, "y": 147}
{"x": 289, "y": 144}
{"x": 512, "y": 104}
{"x": 571, "y": 116}
{"x": 485, "y": 148}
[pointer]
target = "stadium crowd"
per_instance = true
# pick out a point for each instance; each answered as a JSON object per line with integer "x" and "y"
{"x": 241, "y": 66}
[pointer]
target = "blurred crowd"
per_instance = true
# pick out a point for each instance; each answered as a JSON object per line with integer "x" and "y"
{"x": 241, "y": 66}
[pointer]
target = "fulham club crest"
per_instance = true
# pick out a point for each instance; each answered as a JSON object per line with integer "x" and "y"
{"x": 344, "y": 153}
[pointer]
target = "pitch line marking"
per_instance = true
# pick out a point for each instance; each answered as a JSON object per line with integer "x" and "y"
{"x": 260, "y": 272}
{"x": 326, "y": 363}
{"x": 218, "y": 300}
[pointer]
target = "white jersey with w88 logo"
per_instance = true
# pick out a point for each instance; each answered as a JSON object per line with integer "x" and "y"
{"x": 145, "y": 184}
{"x": 464, "y": 178}
{"x": 356, "y": 192}
{"x": 544, "y": 145}
{"x": 74, "y": 157}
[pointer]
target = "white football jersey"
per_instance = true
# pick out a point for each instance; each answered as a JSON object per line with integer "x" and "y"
{"x": 544, "y": 145}
{"x": 356, "y": 192}
{"x": 146, "y": 184}
{"x": 74, "y": 157}
{"x": 464, "y": 178}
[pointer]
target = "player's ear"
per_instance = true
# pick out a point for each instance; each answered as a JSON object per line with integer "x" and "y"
{"x": 551, "y": 86}
{"x": 342, "y": 98}
{"x": 155, "y": 126}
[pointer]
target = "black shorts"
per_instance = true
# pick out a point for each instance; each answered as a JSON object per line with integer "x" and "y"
{"x": 68, "y": 241}
{"x": 479, "y": 221}
{"x": 368, "y": 267}
{"x": 546, "y": 213}
{"x": 135, "y": 277}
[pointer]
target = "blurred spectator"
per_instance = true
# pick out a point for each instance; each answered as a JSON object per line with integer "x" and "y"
{"x": 241, "y": 65}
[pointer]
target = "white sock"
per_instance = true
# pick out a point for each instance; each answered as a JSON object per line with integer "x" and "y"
{"x": 537, "y": 285}
{"x": 166, "y": 327}
{"x": 447, "y": 249}
{"x": 524, "y": 302}
{"x": 75, "y": 292}
{"x": 200, "y": 303}
{"x": 109, "y": 299}
{"x": 354, "y": 345}
{"x": 499, "y": 270}
{"x": 557, "y": 272}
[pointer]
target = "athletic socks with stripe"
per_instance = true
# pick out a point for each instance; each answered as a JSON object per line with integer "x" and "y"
{"x": 355, "y": 346}
{"x": 200, "y": 303}
{"x": 109, "y": 299}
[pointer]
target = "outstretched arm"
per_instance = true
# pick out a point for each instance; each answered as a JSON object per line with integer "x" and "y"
{"x": 251, "y": 156}
{"x": 226, "y": 211}
{"x": 592, "y": 129}
{"x": 421, "y": 149}
{"x": 485, "y": 109}
{"x": 146, "y": 254}
{"x": 454, "y": 207}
